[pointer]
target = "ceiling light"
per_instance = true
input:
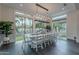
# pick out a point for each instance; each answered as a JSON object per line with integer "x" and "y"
{"x": 21, "y": 5}
{"x": 19, "y": 13}
{"x": 63, "y": 8}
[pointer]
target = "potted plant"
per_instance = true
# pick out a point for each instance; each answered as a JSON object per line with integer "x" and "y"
{"x": 6, "y": 28}
{"x": 48, "y": 27}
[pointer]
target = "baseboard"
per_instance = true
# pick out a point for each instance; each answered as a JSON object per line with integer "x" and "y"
{"x": 71, "y": 40}
{"x": 75, "y": 41}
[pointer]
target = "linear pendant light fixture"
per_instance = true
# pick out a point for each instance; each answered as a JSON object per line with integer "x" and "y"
{"x": 39, "y": 16}
{"x": 41, "y": 7}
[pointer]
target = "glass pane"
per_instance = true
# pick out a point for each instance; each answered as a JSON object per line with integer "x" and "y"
{"x": 23, "y": 27}
{"x": 39, "y": 26}
{"x": 28, "y": 25}
{"x": 19, "y": 28}
{"x": 60, "y": 28}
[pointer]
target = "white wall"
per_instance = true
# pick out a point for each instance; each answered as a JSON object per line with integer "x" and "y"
{"x": 7, "y": 14}
{"x": 0, "y": 12}
{"x": 71, "y": 25}
{"x": 77, "y": 12}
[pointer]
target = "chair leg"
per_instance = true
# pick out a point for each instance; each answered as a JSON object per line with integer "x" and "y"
{"x": 45, "y": 44}
{"x": 31, "y": 46}
{"x": 36, "y": 48}
{"x": 48, "y": 43}
{"x": 41, "y": 46}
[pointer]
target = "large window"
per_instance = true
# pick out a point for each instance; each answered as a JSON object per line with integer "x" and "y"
{"x": 60, "y": 28}
{"x": 28, "y": 25}
{"x": 59, "y": 25}
{"x": 23, "y": 26}
{"x": 40, "y": 25}
{"x": 19, "y": 28}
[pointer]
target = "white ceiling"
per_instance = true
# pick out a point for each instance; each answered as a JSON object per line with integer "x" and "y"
{"x": 53, "y": 8}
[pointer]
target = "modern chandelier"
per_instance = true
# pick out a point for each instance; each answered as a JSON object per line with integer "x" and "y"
{"x": 39, "y": 16}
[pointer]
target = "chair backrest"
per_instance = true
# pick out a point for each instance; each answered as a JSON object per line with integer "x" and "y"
{"x": 1, "y": 39}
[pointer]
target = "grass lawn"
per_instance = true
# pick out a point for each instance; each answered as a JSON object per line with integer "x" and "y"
{"x": 19, "y": 37}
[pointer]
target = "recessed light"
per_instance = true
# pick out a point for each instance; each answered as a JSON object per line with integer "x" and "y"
{"x": 63, "y": 8}
{"x": 21, "y": 5}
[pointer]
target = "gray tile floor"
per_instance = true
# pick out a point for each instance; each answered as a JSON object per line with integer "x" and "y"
{"x": 61, "y": 47}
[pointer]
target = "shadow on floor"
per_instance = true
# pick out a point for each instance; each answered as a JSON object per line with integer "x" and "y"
{"x": 61, "y": 47}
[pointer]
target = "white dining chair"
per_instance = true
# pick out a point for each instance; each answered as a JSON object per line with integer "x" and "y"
{"x": 46, "y": 42}
{"x": 1, "y": 39}
{"x": 37, "y": 42}
{"x": 51, "y": 39}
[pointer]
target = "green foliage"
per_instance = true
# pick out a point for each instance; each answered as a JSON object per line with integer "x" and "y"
{"x": 6, "y": 27}
{"x": 58, "y": 25}
{"x": 48, "y": 27}
{"x": 40, "y": 25}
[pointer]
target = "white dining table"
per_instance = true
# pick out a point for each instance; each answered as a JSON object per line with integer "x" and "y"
{"x": 38, "y": 35}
